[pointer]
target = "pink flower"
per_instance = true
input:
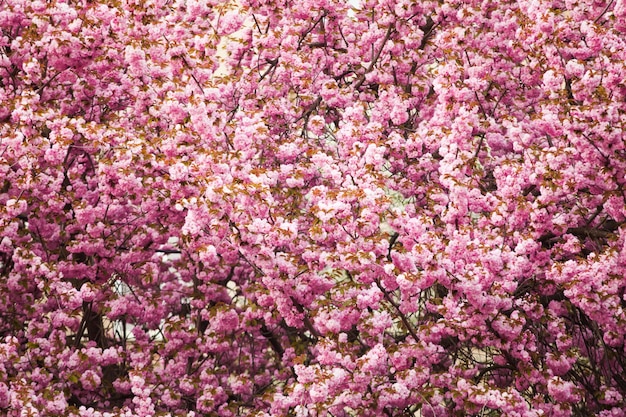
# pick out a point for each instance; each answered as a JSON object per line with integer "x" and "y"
{"x": 90, "y": 380}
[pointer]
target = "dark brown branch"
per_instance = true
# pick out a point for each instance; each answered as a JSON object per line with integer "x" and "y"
{"x": 428, "y": 29}
{"x": 603, "y": 11}
{"x": 592, "y": 232}
{"x": 271, "y": 338}
{"x": 375, "y": 58}
{"x": 402, "y": 316}
{"x": 309, "y": 30}
{"x": 392, "y": 242}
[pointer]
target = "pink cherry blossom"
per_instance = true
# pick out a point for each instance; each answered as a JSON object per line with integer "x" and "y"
{"x": 337, "y": 208}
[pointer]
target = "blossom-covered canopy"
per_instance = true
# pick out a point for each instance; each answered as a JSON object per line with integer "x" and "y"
{"x": 312, "y": 208}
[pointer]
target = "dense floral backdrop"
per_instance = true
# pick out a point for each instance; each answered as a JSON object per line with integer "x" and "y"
{"x": 312, "y": 208}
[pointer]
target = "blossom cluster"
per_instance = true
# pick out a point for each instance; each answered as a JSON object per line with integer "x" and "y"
{"x": 312, "y": 208}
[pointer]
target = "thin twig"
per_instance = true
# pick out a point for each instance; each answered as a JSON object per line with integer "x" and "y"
{"x": 603, "y": 11}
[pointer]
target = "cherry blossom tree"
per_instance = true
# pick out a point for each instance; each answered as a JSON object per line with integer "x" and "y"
{"x": 312, "y": 208}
